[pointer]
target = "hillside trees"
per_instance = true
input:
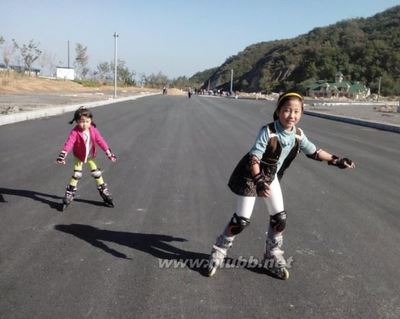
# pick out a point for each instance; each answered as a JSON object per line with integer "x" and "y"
{"x": 362, "y": 49}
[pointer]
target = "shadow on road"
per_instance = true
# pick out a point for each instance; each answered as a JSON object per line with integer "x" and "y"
{"x": 154, "y": 244}
{"x": 53, "y": 201}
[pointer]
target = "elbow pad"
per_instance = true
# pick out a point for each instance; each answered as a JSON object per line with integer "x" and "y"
{"x": 315, "y": 155}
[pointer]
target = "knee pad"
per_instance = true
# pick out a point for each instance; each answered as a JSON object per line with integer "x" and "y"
{"x": 96, "y": 173}
{"x": 278, "y": 221}
{"x": 77, "y": 175}
{"x": 237, "y": 224}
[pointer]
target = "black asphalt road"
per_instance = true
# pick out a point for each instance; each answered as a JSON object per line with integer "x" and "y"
{"x": 169, "y": 183}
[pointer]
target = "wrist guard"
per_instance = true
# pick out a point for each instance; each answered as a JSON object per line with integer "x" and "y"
{"x": 261, "y": 183}
{"x": 111, "y": 156}
{"x": 61, "y": 157}
{"x": 340, "y": 162}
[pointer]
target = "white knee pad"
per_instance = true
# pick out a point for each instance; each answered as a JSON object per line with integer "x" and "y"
{"x": 77, "y": 175}
{"x": 96, "y": 173}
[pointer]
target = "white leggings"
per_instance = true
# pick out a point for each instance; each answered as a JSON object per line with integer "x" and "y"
{"x": 245, "y": 205}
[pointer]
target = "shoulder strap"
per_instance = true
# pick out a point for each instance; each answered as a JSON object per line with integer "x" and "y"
{"x": 271, "y": 129}
{"x": 292, "y": 154}
{"x": 274, "y": 149}
{"x": 299, "y": 134}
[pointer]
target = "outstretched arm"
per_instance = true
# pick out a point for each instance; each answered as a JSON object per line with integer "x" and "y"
{"x": 321, "y": 155}
{"x": 68, "y": 145}
{"x": 104, "y": 146}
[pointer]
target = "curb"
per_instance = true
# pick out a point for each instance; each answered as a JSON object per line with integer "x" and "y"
{"x": 57, "y": 110}
{"x": 356, "y": 121}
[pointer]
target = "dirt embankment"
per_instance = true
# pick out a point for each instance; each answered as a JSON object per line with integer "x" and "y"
{"x": 17, "y": 84}
{"x": 24, "y": 93}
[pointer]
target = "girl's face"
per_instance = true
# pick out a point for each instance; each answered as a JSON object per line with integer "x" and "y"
{"x": 84, "y": 123}
{"x": 290, "y": 113}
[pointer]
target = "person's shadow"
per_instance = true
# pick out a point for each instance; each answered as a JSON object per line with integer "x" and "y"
{"x": 53, "y": 201}
{"x": 156, "y": 245}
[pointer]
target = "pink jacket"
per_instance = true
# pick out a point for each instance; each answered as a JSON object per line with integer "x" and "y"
{"x": 76, "y": 142}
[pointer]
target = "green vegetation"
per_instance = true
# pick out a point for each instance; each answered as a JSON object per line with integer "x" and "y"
{"x": 196, "y": 80}
{"x": 200, "y": 77}
{"x": 362, "y": 49}
{"x": 160, "y": 80}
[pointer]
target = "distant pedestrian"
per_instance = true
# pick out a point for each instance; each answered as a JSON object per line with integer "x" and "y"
{"x": 258, "y": 174}
{"x": 82, "y": 141}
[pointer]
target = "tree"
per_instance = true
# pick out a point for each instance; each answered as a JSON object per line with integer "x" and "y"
{"x": 84, "y": 72}
{"x": 157, "y": 80}
{"x": 29, "y": 52}
{"x": 47, "y": 61}
{"x": 81, "y": 59}
{"x": 125, "y": 76}
{"x": 181, "y": 82}
{"x": 7, "y": 52}
{"x": 104, "y": 70}
{"x": 142, "y": 79}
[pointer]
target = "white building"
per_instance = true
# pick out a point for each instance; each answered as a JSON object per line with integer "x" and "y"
{"x": 65, "y": 73}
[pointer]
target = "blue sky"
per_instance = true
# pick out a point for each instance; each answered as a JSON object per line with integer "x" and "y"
{"x": 176, "y": 37}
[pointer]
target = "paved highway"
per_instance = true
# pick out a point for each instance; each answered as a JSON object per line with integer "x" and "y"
{"x": 175, "y": 155}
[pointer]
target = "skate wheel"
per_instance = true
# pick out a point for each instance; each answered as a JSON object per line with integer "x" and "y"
{"x": 282, "y": 274}
{"x": 212, "y": 271}
{"x": 285, "y": 274}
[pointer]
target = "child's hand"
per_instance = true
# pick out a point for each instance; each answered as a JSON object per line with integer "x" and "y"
{"x": 111, "y": 156}
{"x": 61, "y": 158}
{"x": 262, "y": 186}
{"x": 263, "y": 190}
{"x": 342, "y": 162}
{"x": 346, "y": 163}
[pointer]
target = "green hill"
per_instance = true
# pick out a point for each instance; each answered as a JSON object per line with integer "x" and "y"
{"x": 362, "y": 49}
{"x": 201, "y": 77}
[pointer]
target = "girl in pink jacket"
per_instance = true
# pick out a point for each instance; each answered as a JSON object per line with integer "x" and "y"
{"x": 82, "y": 141}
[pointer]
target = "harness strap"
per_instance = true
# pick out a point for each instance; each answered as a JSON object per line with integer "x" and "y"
{"x": 274, "y": 149}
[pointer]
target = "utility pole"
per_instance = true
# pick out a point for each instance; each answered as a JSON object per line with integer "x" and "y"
{"x": 115, "y": 63}
{"x": 379, "y": 87}
{"x": 68, "y": 54}
{"x": 231, "y": 81}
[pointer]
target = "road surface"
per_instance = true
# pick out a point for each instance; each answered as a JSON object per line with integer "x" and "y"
{"x": 144, "y": 258}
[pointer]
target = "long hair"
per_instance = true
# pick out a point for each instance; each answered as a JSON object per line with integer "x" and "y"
{"x": 82, "y": 111}
{"x": 284, "y": 97}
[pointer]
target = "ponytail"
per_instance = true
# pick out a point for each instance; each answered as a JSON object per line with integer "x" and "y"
{"x": 82, "y": 111}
